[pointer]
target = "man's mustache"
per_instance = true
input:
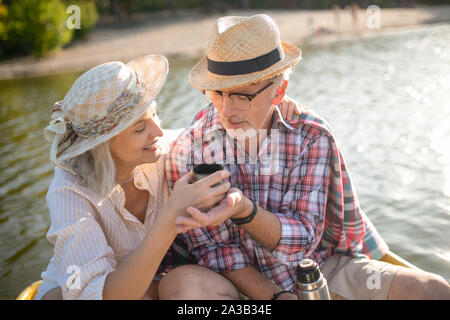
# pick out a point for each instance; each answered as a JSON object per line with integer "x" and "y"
{"x": 234, "y": 120}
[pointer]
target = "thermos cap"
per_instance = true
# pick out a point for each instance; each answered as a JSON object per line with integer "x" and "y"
{"x": 308, "y": 271}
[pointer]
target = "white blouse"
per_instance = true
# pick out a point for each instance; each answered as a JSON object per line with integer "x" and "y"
{"x": 91, "y": 237}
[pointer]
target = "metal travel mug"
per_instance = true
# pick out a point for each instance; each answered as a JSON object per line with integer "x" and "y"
{"x": 311, "y": 284}
{"x": 203, "y": 170}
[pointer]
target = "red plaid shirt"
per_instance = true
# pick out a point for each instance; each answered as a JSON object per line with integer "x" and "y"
{"x": 299, "y": 175}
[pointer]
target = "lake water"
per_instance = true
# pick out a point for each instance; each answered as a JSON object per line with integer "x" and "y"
{"x": 387, "y": 99}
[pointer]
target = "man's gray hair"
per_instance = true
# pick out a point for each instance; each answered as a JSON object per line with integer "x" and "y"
{"x": 96, "y": 170}
{"x": 279, "y": 79}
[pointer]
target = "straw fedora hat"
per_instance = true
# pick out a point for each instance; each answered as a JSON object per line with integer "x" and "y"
{"x": 101, "y": 103}
{"x": 242, "y": 51}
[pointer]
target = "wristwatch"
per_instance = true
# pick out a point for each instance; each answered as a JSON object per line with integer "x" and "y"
{"x": 247, "y": 219}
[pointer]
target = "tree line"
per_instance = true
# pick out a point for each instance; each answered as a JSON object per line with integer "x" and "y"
{"x": 40, "y": 26}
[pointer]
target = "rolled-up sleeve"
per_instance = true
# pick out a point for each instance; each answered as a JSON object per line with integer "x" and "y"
{"x": 302, "y": 213}
{"x": 82, "y": 256}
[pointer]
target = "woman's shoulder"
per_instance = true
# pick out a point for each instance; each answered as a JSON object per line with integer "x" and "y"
{"x": 67, "y": 182}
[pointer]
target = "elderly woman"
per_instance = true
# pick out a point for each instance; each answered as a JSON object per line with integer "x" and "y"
{"x": 112, "y": 219}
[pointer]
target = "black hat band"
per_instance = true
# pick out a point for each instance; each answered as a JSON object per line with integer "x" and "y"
{"x": 245, "y": 66}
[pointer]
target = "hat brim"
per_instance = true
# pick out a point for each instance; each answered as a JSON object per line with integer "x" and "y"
{"x": 152, "y": 70}
{"x": 200, "y": 78}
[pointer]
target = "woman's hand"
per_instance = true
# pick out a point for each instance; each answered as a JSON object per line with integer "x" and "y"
{"x": 200, "y": 195}
{"x": 290, "y": 107}
{"x": 235, "y": 205}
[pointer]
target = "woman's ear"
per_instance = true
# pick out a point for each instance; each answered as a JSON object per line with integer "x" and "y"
{"x": 281, "y": 91}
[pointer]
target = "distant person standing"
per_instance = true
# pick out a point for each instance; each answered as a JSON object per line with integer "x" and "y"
{"x": 337, "y": 13}
{"x": 355, "y": 9}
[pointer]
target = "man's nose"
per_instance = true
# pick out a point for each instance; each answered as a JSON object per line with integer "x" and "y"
{"x": 228, "y": 108}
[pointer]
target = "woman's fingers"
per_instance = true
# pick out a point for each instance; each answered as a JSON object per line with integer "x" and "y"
{"x": 220, "y": 189}
{"x": 290, "y": 107}
{"x": 188, "y": 177}
{"x": 201, "y": 219}
{"x": 298, "y": 109}
{"x": 187, "y": 222}
{"x": 212, "y": 195}
{"x": 213, "y": 178}
{"x": 214, "y": 216}
{"x": 196, "y": 220}
{"x": 184, "y": 224}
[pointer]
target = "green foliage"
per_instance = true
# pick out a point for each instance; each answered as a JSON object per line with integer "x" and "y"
{"x": 40, "y": 26}
{"x": 36, "y": 26}
{"x": 3, "y": 15}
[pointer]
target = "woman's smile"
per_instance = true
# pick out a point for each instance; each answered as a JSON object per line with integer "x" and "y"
{"x": 152, "y": 146}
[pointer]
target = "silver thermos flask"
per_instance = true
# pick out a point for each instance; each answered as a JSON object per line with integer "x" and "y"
{"x": 311, "y": 284}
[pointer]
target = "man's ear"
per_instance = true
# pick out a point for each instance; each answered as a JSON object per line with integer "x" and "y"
{"x": 281, "y": 91}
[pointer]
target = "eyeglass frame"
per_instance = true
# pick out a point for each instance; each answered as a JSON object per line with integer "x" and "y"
{"x": 250, "y": 97}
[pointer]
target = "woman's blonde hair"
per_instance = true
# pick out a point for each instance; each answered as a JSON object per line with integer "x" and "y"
{"x": 95, "y": 169}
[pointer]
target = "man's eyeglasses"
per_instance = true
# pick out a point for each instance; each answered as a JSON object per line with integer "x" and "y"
{"x": 240, "y": 101}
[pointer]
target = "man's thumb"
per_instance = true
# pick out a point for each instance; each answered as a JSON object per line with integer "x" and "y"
{"x": 233, "y": 197}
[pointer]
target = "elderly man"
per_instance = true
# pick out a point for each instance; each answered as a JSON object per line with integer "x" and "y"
{"x": 292, "y": 196}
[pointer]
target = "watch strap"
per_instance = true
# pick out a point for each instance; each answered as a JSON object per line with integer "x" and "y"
{"x": 247, "y": 219}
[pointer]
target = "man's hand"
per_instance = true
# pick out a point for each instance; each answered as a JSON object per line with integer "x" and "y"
{"x": 200, "y": 194}
{"x": 235, "y": 205}
{"x": 251, "y": 282}
{"x": 265, "y": 228}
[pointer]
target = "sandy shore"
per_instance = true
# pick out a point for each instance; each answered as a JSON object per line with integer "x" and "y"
{"x": 177, "y": 34}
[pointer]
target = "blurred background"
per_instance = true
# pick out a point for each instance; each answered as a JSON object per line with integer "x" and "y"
{"x": 377, "y": 71}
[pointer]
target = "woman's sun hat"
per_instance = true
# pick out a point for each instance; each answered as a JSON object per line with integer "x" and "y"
{"x": 242, "y": 51}
{"x": 101, "y": 103}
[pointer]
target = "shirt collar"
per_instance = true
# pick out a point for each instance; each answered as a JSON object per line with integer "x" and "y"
{"x": 277, "y": 118}
{"x": 143, "y": 180}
